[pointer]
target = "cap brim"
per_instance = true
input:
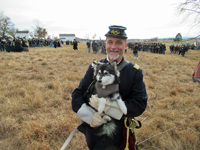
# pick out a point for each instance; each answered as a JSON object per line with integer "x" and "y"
{"x": 117, "y": 36}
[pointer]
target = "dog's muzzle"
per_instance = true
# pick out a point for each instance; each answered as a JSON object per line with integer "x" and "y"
{"x": 99, "y": 81}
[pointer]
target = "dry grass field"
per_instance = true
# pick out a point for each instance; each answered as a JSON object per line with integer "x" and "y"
{"x": 35, "y": 99}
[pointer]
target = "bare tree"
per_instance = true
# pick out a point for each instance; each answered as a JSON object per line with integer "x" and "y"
{"x": 6, "y": 26}
{"x": 39, "y": 30}
{"x": 12, "y": 32}
{"x": 93, "y": 37}
{"x": 190, "y": 7}
{"x": 154, "y": 39}
{"x": 86, "y": 36}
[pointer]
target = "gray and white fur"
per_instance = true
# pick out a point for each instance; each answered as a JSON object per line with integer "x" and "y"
{"x": 107, "y": 74}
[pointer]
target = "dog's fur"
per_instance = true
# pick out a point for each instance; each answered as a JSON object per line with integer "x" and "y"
{"x": 106, "y": 74}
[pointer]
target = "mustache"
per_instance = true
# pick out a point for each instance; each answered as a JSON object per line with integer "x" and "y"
{"x": 114, "y": 50}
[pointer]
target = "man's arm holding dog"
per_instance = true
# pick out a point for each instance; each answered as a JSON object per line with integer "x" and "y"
{"x": 77, "y": 94}
{"x": 91, "y": 116}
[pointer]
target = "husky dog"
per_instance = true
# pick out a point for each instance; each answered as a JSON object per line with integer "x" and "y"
{"x": 106, "y": 86}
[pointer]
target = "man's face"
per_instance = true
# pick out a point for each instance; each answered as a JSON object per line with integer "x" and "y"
{"x": 115, "y": 48}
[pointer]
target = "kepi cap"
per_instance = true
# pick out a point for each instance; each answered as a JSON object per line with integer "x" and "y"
{"x": 117, "y": 31}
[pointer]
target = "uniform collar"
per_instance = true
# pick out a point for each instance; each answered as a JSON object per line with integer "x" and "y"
{"x": 119, "y": 63}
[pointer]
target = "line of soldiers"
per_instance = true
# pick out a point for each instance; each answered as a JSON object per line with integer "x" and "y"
{"x": 179, "y": 49}
{"x": 44, "y": 42}
{"x": 152, "y": 47}
{"x": 13, "y": 45}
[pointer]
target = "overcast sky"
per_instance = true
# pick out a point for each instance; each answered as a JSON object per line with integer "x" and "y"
{"x": 143, "y": 18}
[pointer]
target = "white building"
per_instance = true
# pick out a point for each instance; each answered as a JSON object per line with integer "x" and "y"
{"x": 22, "y": 34}
{"x": 67, "y": 37}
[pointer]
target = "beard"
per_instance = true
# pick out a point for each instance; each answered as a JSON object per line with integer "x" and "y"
{"x": 114, "y": 57}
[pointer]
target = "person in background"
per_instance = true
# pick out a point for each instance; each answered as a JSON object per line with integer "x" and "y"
{"x": 88, "y": 46}
{"x": 94, "y": 47}
{"x": 75, "y": 45}
{"x": 135, "y": 51}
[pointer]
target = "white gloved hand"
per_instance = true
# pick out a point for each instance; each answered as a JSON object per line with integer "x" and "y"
{"x": 90, "y": 116}
{"x": 97, "y": 120}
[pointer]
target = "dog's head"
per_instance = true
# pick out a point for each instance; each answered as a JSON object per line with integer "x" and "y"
{"x": 106, "y": 73}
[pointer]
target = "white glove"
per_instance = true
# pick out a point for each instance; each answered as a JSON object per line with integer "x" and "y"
{"x": 97, "y": 120}
{"x": 90, "y": 116}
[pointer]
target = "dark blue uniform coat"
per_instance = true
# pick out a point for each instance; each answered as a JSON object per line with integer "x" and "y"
{"x": 133, "y": 92}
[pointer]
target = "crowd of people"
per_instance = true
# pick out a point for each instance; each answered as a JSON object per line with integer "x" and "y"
{"x": 96, "y": 46}
{"x": 159, "y": 48}
{"x": 179, "y": 49}
{"x": 20, "y": 44}
{"x": 152, "y": 47}
{"x": 17, "y": 45}
{"x": 45, "y": 42}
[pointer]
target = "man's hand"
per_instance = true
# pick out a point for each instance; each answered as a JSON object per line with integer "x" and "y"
{"x": 97, "y": 120}
{"x": 91, "y": 117}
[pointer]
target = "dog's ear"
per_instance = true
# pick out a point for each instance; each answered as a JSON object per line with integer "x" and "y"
{"x": 95, "y": 62}
{"x": 114, "y": 64}
{"x": 94, "y": 66}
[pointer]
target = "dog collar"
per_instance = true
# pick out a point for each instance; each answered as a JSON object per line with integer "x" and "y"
{"x": 107, "y": 90}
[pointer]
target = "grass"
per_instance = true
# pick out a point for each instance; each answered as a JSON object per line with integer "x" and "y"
{"x": 35, "y": 98}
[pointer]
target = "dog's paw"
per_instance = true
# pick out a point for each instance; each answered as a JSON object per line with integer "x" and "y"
{"x": 102, "y": 104}
{"x": 123, "y": 109}
{"x": 95, "y": 96}
{"x": 122, "y": 106}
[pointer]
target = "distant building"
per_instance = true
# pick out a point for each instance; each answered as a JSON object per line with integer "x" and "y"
{"x": 67, "y": 37}
{"x": 22, "y": 34}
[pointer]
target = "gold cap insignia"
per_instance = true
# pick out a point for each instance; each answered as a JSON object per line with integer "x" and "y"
{"x": 115, "y": 32}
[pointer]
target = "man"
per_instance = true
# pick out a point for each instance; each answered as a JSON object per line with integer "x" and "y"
{"x": 132, "y": 90}
{"x": 171, "y": 48}
{"x": 3, "y": 43}
{"x": 75, "y": 45}
{"x": 88, "y": 46}
{"x": 103, "y": 47}
{"x": 55, "y": 43}
{"x": 94, "y": 46}
{"x": 177, "y": 49}
{"x": 135, "y": 51}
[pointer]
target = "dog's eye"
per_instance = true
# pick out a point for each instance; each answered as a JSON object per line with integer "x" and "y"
{"x": 105, "y": 73}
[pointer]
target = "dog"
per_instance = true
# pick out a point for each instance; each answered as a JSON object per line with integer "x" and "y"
{"x": 106, "y": 86}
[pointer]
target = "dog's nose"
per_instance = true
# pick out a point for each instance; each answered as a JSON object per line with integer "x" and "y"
{"x": 99, "y": 81}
